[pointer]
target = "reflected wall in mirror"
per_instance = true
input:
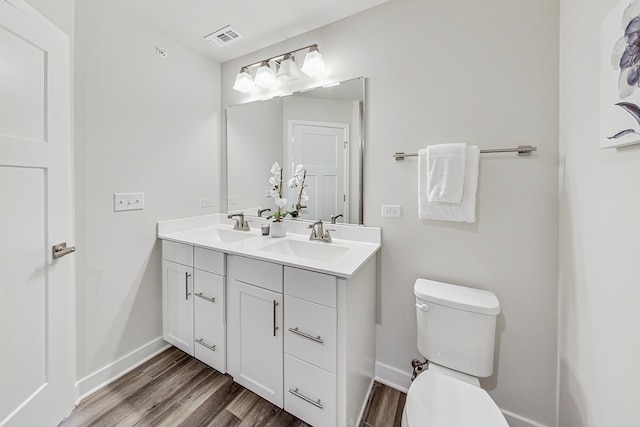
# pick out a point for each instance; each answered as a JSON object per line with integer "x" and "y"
{"x": 322, "y": 129}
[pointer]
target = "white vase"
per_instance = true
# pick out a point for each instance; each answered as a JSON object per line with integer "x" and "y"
{"x": 278, "y": 229}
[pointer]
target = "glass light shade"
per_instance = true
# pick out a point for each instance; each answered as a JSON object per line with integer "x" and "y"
{"x": 288, "y": 69}
{"x": 265, "y": 77}
{"x": 313, "y": 63}
{"x": 244, "y": 81}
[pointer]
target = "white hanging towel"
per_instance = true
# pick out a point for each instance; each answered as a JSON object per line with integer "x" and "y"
{"x": 445, "y": 172}
{"x": 465, "y": 211}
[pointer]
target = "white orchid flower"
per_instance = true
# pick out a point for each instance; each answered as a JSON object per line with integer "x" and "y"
{"x": 281, "y": 202}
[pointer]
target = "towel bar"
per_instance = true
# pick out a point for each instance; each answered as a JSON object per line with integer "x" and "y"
{"x": 522, "y": 150}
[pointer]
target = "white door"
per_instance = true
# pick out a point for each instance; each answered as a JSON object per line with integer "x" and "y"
{"x": 177, "y": 305}
{"x": 323, "y": 150}
{"x": 255, "y": 358}
{"x": 37, "y": 292}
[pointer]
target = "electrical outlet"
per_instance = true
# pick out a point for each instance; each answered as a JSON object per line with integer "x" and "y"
{"x": 394, "y": 211}
{"x": 207, "y": 202}
{"x": 232, "y": 200}
{"x": 128, "y": 201}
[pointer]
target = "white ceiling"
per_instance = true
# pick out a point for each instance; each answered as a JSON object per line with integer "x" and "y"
{"x": 261, "y": 22}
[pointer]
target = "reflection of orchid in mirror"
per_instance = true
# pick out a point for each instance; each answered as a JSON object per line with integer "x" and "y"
{"x": 626, "y": 58}
{"x": 297, "y": 180}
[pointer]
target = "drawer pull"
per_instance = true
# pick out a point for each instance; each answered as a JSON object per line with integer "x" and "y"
{"x": 305, "y": 335}
{"x": 296, "y": 393}
{"x": 201, "y": 342}
{"x": 199, "y": 294}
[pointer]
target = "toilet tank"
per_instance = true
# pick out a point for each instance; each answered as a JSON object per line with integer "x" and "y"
{"x": 456, "y": 326}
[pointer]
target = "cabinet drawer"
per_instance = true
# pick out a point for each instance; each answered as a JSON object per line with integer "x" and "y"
{"x": 311, "y": 286}
{"x": 310, "y": 332}
{"x": 210, "y": 343}
{"x": 177, "y": 252}
{"x": 253, "y": 272}
{"x": 310, "y": 393}
{"x": 209, "y": 295}
{"x": 208, "y": 260}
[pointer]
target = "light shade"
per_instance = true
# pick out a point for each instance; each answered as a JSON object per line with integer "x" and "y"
{"x": 313, "y": 63}
{"x": 244, "y": 81}
{"x": 265, "y": 77}
{"x": 288, "y": 69}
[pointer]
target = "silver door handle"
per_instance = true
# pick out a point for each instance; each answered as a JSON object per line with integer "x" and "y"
{"x": 305, "y": 335}
{"x": 186, "y": 286}
{"x": 275, "y": 317}
{"x": 61, "y": 249}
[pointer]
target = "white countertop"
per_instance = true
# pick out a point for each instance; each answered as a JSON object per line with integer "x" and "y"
{"x": 352, "y": 246}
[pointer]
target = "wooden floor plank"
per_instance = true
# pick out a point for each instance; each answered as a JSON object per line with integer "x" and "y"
{"x": 175, "y": 389}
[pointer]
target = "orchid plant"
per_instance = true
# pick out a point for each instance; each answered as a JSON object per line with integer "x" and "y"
{"x": 297, "y": 180}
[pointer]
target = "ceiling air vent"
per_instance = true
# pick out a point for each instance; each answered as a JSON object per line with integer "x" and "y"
{"x": 224, "y": 36}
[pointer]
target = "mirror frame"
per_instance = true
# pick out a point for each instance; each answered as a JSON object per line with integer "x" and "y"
{"x": 361, "y": 146}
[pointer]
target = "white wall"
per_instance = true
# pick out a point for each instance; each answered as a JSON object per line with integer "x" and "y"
{"x": 485, "y": 73}
{"x": 599, "y": 375}
{"x": 142, "y": 124}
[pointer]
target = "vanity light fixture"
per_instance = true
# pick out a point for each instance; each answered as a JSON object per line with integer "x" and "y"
{"x": 244, "y": 81}
{"x": 265, "y": 76}
{"x": 286, "y": 67}
{"x": 313, "y": 63}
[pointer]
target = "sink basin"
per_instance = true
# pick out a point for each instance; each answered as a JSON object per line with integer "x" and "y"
{"x": 230, "y": 236}
{"x": 315, "y": 251}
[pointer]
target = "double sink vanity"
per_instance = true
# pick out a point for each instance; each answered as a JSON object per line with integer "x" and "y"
{"x": 291, "y": 319}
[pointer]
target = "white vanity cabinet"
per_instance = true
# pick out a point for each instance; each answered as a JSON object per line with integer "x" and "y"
{"x": 255, "y": 333}
{"x": 318, "y": 364}
{"x": 193, "y": 302}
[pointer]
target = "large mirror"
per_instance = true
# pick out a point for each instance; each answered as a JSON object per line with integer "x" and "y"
{"x": 320, "y": 129}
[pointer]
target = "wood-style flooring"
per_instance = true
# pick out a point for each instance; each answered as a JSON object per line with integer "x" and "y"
{"x": 174, "y": 389}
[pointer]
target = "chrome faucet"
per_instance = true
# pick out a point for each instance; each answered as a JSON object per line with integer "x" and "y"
{"x": 319, "y": 233}
{"x": 261, "y": 211}
{"x": 334, "y": 217}
{"x": 240, "y": 224}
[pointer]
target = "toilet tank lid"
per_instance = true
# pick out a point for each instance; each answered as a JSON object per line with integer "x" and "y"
{"x": 460, "y": 297}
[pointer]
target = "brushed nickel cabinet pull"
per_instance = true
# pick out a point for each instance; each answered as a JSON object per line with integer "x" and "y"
{"x": 201, "y": 295}
{"x": 305, "y": 335}
{"x": 275, "y": 317}
{"x": 296, "y": 393}
{"x": 186, "y": 286}
{"x": 201, "y": 342}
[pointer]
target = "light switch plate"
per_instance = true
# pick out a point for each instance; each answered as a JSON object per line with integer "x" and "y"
{"x": 128, "y": 202}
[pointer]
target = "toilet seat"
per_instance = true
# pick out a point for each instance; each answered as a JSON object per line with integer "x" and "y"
{"x": 436, "y": 399}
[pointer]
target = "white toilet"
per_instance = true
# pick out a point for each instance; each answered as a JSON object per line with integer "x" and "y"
{"x": 456, "y": 334}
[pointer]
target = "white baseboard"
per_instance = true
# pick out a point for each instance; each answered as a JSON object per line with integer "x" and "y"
{"x": 392, "y": 377}
{"x": 115, "y": 370}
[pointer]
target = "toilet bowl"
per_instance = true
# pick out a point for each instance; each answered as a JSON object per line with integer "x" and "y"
{"x": 437, "y": 399}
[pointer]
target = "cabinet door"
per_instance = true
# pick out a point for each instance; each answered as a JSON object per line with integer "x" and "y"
{"x": 254, "y": 340}
{"x": 177, "y": 305}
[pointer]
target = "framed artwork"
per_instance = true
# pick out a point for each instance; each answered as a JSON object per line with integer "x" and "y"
{"x": 620, "y": 76}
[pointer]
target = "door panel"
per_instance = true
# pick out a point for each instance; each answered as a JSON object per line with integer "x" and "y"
{"x": 37, "y": 293}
